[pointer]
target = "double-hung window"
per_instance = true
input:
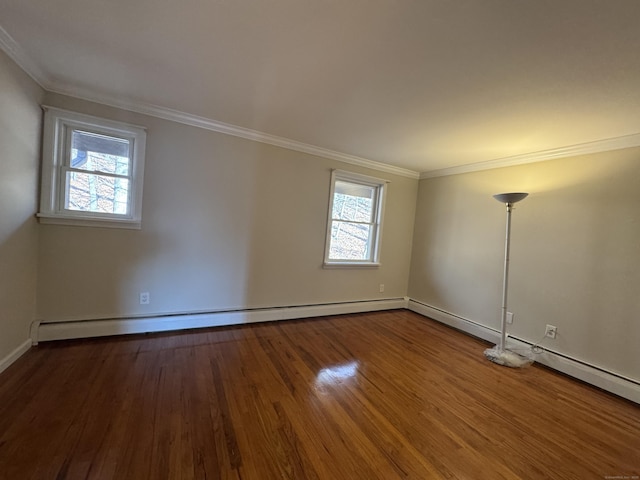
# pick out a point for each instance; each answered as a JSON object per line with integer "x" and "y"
{"x": 92, "y": 171}
{"x": 355, "y": 220}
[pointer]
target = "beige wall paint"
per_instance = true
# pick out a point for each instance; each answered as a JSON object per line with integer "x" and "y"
{"x": 20, "y": 118}
{"x": 227, "y": 223}
{"x": 575, "y": 253}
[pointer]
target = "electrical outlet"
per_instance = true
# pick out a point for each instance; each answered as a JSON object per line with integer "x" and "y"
{"x": 551, "y": 331}
{"x": 381, "y": 287}
{"x": 509, "y": 317}
{"x": 145, "y": 298}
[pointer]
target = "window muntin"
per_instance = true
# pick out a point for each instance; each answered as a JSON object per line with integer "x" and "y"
{"x": 355, "y": 216}
{"x": 87, "y": 192}
{"x": 92, "y": 171}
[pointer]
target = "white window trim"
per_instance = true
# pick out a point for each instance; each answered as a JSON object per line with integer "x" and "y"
{"x": 378, "y": 219}
{"x": 56, "y": 121}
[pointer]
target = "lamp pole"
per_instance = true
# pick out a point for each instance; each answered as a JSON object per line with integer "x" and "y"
{"x": 508, "y": 199}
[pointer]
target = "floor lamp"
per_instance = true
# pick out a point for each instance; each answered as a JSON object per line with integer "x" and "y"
{"x": 499, "y": 354}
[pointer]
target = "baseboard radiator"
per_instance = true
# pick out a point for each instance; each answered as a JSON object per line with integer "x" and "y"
{"x": 47, "y": 331}
{"x": 602, "y": 378}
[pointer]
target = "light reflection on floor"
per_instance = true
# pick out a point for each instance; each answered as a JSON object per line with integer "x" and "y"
{"x": 336, "y": 375}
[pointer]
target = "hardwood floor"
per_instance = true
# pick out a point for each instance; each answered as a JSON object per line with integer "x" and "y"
{"x": 387, "y": 395}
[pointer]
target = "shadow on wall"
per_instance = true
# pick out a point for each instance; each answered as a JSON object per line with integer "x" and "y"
{"x": 17, "y": 282}
{"x": 20, "y": 116}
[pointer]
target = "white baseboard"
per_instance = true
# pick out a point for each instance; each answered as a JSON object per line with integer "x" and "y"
{"x": 15, "y": 355}
{"x": 33, "y": 332}
{"x": 599, "y": 377}
{"x": 121, "y": 326}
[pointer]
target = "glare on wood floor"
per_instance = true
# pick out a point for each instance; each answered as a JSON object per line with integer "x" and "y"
{"x": 386, "y": 395}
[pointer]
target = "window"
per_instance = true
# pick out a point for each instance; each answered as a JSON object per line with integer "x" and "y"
{"x": 92, "y": 171}
{"x": 355, "y": 219}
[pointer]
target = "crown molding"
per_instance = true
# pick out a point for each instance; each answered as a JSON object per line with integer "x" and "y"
{"x": 605, "y": 145}
{"x": 227, "y": 129}
{"x": 18, "y": 55}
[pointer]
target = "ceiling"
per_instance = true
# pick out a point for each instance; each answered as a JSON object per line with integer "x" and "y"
{"x": 423, "y": 85}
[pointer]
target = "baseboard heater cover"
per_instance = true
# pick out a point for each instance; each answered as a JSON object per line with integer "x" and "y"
{"x": 591, "y": 374}
{"x": 48, "y": 331}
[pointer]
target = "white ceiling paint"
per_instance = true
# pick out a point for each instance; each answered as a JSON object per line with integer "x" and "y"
{"x": 424, "y": 85}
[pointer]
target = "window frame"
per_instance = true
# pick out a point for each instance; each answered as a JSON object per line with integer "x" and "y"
{"x": 378, "y": 215}
{"x": 58, "y": 127}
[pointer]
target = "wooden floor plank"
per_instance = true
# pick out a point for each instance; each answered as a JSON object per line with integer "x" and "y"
{"x": 385, "y": 395}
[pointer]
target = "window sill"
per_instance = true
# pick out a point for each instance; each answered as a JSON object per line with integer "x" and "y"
{"x": 87, "y": 221}
{"x": 350, "y": 265}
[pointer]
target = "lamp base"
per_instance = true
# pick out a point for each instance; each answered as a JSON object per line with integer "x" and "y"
{"x": 507, "y": 358}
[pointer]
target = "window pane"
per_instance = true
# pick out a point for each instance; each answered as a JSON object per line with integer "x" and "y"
{"x": 354, "y": 189}
{"x": 99, "y": 153}
{"x": 349, "y": 241}
{"x": 353, "y": 202}
{"x": 96, "y": 193}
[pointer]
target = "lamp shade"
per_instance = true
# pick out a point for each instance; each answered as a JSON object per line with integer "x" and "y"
{"x": 510, "y": 197}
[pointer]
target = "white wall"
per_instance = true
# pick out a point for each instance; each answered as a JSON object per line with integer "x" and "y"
{"x": 227, "y": 224}
{"x": 20, "y": 118}
{"x": 575, "y": 253}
